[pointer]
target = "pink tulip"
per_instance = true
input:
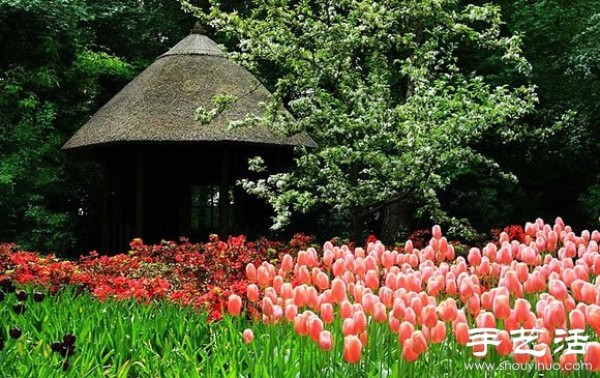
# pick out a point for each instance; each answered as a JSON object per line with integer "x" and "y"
{"x": 592, "y": 355}
{"x": 408, "y": 354}
{"x": 418, "y": 342}
{"x": 352, "y": 349}
{"x": 304, "y": 275}
{"x": 251, "y": 272}
{"x": 448, "y": 310}
{"x": 326, "y": 341}
{"x": 248, "y": 336}
{"x": 593, "y": 317}
{"x": 338, "y": 268}
{"x": 505, "y": 347}
{"x": 486, "y": 320}
{"x": 287, "y": 291}
{"x": 234, "y": 305}
{"x": 368, "y": 303}
{"x": 312, "y": 297}
{"x": 393, "y": 323}
{"x": 522, "y": 309}
{"x": 501, "y": 306}
{"x": 267, "y": 306}
{"x": 262, "y": 276}
{"x": 398, "y": 308}
{"x": 461, "y": 332}
{"x": 554, "y": 315}
{"x": 348, "y": 327}
{"x": 322, "y": 281}
{"x": 327, "y": 313}
{"x": 380, "y": 313}
{"x": 558, "y": 290}
{"x": 567, "y": 362}
{"x": 473, "y": 305}
{"x": 299, "y": 295}
{"x": 438, "y": 332}
{"x": 372, "y": 279}
{"x": 300, "y": 325}
{"x": 252, "y": 293}
{"x": 346, "y": 309}
{"x": 287, "y": 263}
{"x": 545, "y": 361}
{"x": 338, "y": 290}
{"x": 315, "y": 326}
{"x": 436, "y": 232}
{"x": 291, "y": 311}
{"x": 405, "y": 331}
{"x": 429, "y": 316}
{"x": 360, "y": 321}
{"x": 364, "y": 338}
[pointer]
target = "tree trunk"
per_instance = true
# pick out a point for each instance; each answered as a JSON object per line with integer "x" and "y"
{"x": 357, "y": 226}
{"x": 395, "y": 220}
{"x": 357, "y": 216}
{"x": 396, "y": 215}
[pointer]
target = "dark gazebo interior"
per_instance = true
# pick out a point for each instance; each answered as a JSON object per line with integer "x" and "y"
{"x": 167, "y": 191}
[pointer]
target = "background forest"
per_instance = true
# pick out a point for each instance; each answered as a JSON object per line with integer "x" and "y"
{"x": 60, "y": 60}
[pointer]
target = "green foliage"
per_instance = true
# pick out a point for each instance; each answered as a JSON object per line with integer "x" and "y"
{"x": 561, "y": 40}
{"x": 113, "y": 338}
{"x": 60, "y": 61}
{"x": 383, "y": 89}
{"x": 591, "y": 202}
{"x": 137, "y": 31}
{"x": 221, "y": 101}
{"x": 48, "y": 81}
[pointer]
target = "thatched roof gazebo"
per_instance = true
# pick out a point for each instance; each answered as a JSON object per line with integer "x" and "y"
{"x": 167, "y": 173}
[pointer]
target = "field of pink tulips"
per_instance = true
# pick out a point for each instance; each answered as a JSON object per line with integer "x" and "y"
{"x": 525, "y": 304}
{"x": 512, "y": 308}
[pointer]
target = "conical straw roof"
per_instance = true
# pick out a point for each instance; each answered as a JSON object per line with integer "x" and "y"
{"x": 160, "y": 105}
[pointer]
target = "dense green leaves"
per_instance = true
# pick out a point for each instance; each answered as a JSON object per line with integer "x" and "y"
{"x": 60, "y": 61}
{"x": 561, "y": 42}
{"x": 118, "y": 339}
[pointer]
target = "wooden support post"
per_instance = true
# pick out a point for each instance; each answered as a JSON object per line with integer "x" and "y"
{"x": 105, "y": 199}
{"x": 139, "y": 194}
{"x": 224, "y": 193}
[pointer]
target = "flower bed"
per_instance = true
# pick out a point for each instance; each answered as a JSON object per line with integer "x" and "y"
{"x": 199, "y": 275}
{"x": 341, "y": 310}
{"x": 534, "y": 298}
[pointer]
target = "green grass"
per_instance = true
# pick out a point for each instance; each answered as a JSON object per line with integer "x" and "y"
{"x": 114, "y": 339}
{"x": 129, "y": 339}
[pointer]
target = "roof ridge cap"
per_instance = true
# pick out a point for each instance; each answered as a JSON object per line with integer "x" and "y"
{"x": 195, "y": 44}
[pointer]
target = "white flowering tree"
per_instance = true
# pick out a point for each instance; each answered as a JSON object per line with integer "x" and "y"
{"x": 388, "y": 90}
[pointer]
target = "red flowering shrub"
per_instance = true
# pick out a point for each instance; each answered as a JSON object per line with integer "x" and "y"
{"x": 420, "y": 238}
{"x": 514, "y": 232}
{"x": 201, "y": 275}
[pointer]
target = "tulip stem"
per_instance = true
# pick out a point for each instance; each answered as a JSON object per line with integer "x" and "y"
{"x": 301, "y": 356}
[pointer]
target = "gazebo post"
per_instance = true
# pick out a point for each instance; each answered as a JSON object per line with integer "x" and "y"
{"x": 224, "y": 192}
{"x": 139, "y": 194}
{"x": 105, "y": 197}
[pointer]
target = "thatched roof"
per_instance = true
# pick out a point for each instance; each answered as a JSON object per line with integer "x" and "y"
{"x": 160, "y": 105}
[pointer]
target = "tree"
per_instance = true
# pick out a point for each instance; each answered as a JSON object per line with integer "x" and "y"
{"x": 48, "y": 80}
{"x": 60, "y": 60}
{"x": 386, "y": 90}
{"x": 560, "y": 39}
